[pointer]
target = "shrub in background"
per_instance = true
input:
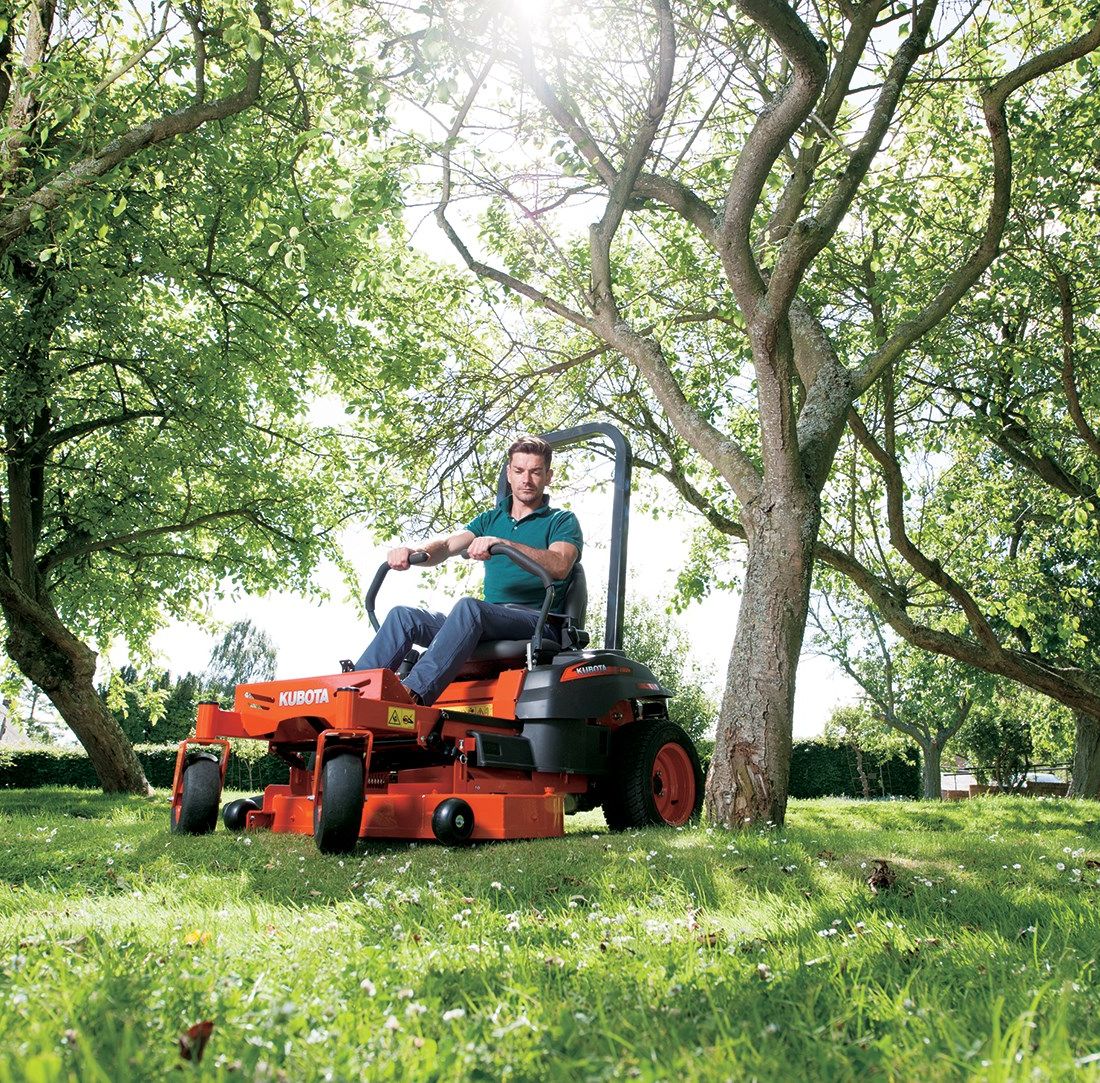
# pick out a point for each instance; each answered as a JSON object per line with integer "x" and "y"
{"x": 817, "y": 769}
{"x": 28, "y": 768}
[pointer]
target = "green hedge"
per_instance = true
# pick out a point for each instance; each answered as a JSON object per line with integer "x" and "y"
{"x": 826, "y": 770}
{"x": 26, "y": 768}
{"x": 817, "y": 770}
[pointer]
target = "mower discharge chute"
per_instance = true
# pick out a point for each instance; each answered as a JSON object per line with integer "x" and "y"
{"x": 527, "y": 731}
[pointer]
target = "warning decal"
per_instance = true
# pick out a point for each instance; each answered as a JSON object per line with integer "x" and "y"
{"x": 476, "y": 708}
{"x": 401, "y": 718}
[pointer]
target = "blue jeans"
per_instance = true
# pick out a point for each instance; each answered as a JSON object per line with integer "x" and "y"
{"x": 450, "y": 640}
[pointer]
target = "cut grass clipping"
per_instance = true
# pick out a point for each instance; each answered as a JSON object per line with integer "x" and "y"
{"x": 130, "y": 953}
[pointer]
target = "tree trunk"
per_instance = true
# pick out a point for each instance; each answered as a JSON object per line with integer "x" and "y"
{"x": 750, "y": 770}
{"x": 1085, "y": 781}
{"x": 931, "y": 784}
{"x": 65, "y": 671}
{"x": 864, "y": 781}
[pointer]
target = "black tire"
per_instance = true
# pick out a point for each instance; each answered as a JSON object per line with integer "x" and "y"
{"x": 453, "y": 822}
{"x": 202, "y": 789}
{"x": 336, "y": 822}
{"x": 235, "y": 814}
{"x": 636, "y": 794}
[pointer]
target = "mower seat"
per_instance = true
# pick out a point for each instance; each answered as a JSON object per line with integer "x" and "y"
{"x": 563, "y": 630}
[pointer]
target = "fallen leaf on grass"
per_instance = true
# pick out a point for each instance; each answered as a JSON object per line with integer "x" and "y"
{"x": 1092, "y": 863}
{"x": 883, "y": 878}
{"x": 826, "y": 855}
{"x": 709, "y": 940}
{"x": 197, "y": 936}
{"x": 193, "y": 1040}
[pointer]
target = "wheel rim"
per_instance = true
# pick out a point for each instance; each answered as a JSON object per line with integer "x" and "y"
{"x": 673, "y": 781}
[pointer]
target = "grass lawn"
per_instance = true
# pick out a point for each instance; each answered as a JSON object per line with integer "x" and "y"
{"x": 682, "y": 955}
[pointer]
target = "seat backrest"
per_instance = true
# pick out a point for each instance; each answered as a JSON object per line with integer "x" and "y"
{"x": 576, "y": 597}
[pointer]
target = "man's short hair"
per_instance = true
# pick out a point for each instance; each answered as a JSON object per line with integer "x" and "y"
{"x": 532, "y": 445}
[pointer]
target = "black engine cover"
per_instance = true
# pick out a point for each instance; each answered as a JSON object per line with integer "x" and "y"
{"x": 585, "y": 684}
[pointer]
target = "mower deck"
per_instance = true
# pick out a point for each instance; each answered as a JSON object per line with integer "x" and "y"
{"x": 370, "y": 716}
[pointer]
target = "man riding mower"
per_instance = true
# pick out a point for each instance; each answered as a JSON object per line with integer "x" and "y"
{"x": 482, "y": 737}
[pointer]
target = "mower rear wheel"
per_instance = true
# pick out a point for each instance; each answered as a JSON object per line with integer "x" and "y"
{"x": 337, "y": 816}
{"x": 654, "y": 777}
{"x": 235, "y": 814}
{"x": 202, "y": 789}
{"x": 453, "y": 822}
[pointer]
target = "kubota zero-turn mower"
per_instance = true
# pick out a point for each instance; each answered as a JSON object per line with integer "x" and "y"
{"x": 527, "y": 731}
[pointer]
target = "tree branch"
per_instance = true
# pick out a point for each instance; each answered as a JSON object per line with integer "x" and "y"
{"x": 621, "y": 188}
{"x": 63, "y": 553}
{"x": 131, "y": 62}
{"x": 807, "y": 238}
{"x": 483, "y": 270}
{"x": 73, "y": 432}
{"x": 993, "y": 107}
{"x": 1069, "y": 685}
{"x": 793, "y": 198}
{"x": 1069, "y": 375}
{"x": 168, "y": 126}
{"x": 932, "y": 570}
{"x": 776, "y": 124}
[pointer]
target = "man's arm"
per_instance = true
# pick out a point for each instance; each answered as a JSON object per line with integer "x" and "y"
{"x": 558, "y": 560}
{"x": 438, "y": 550}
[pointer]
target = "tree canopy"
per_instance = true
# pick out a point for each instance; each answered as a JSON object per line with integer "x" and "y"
{"x": 202, "y": 248}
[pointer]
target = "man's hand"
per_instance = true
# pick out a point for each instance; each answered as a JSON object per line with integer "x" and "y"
{"x": 398, "y": 559}
{"x": 479, "y": 548}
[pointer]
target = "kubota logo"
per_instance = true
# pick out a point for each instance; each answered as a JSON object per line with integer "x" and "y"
{"x": 302, "y": 696}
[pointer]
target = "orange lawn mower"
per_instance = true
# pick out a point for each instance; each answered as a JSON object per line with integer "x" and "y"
{"x": 528, "y": 731}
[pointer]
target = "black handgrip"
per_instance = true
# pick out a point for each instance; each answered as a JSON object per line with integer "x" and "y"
{"x": 523, "y": 561}
{"x": 498, "y": 549}
{"x": 416, "y": 557}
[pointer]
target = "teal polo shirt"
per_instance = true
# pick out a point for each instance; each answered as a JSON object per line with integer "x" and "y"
{"x": 507, "y": 582}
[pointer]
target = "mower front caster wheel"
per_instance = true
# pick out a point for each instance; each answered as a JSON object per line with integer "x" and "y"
{"x": 338, "y": 814}
{"x": 453, "y": 822}
{"x": 202, "y": 788}
{"x": 235, "y": 814}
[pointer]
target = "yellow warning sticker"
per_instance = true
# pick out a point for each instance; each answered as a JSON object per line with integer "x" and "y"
{"x": 401, "y": 718}
{"x": 477, "y": 708}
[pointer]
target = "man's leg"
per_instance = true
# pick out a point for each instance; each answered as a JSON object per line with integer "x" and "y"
{"x": 402, "y": 627}
{"x": 471, "y": 620}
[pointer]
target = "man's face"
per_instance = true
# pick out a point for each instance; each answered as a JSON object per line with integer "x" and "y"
{"x": 528, "y": 476}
